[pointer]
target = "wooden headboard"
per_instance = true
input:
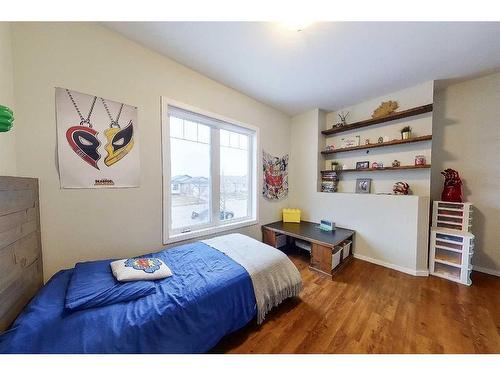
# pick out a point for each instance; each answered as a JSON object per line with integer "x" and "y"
{"x": 21, "y": 274}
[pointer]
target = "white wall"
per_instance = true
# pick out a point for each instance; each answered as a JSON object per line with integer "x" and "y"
{"x": 96, "y": 224}
{"x": 390, "y": 230}
{"x": 7, "y": 139}
{"x": 383, "y": 182}
{"x": 467, "y": 138}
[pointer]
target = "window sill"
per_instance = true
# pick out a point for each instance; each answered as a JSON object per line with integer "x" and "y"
{"x": 209, "y": 231}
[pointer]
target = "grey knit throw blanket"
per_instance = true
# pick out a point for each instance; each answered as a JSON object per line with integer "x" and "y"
{"x": 274, "y": 276}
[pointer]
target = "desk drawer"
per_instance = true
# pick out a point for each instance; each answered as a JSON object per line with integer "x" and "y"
{"x": 269, "y": 237}
{"x": 321, "y": 258}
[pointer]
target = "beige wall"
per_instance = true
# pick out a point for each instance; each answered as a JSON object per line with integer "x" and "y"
{"x": 8, "y": 139}
{"x": 92, "y": 224}
{"x": 390, "y": 230}
{"x": 467, "y": 138}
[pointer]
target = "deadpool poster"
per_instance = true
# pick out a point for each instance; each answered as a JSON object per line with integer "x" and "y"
{"x": 96, "y": 141}
{"x": 275, "y": 174}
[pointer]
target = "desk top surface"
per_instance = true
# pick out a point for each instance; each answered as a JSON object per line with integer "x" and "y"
{"x": 310, "y": 231}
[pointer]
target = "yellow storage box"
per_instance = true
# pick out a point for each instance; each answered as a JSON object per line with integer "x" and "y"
{"x": 291, "y": 215}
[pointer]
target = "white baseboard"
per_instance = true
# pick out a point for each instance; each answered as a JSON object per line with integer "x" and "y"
{"x": 392, "y": 266}
{"x": 489, "y": 271}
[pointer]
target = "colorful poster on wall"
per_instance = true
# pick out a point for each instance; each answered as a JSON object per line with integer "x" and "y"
{"x": 96, "y": 141}
{"x": 275, "y": 174}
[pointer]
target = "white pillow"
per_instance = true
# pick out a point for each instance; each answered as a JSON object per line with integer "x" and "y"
{"x": 134, "y": 269}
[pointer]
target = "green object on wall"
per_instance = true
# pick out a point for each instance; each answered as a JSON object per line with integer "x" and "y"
{"x": 6, "y": 118}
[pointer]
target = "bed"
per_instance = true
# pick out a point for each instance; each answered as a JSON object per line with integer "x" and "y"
{"x": 218, "y": 286}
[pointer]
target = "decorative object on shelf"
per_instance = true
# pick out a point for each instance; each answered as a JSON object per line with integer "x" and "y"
{"x": 87, "y": 127}
{"x": 344, "y": 166}
{"x": 396, "y": 163}
{"x": 335, "y": 165}
{"x": 329, "y": 148}
{"x": 420, "y": 160}
{"x": 329, "y": 181}
{"x": 376, "y": 165}
{"x": 350, "y": 141}
{"x": 383, "y": 169}
{"x": 367, "y": 141}
{"x": 373, "y": 121}
{"x": 275, "y": 174}
{"x": 406, "y": 132}
{"x": 401, "y": 188}
{"x": 452, "y": 190}
{"x": 380, "y": 140}
{"x": 394, "y": 142}
{"x": 343, "y": 118}
{"x": 6, "y": 118}
{"x": 362, "y": 165}
{"x": 385, "y": 108}
{"x": 363, "y": 185}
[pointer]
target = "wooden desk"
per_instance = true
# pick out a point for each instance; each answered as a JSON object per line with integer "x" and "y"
{"x": 322, "y": 243}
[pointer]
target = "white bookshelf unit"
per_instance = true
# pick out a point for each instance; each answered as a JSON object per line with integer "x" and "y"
{"x": 452, "y": 244}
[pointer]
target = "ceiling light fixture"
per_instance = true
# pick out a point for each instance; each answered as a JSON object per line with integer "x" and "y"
{"x": 295, "y": 25}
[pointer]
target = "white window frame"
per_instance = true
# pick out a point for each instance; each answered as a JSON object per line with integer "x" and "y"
{"x": 216, "y": 226}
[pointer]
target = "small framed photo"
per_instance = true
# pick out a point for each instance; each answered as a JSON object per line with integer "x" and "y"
{"x": 363, "y": 185}
{"x": 362, "y": 165}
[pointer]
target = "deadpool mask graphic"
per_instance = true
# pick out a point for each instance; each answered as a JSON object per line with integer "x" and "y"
{"x": 120, "y": 142}
{"x": 83, "y": 140}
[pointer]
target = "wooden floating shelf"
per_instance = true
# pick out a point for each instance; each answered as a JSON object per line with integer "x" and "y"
{"x": 381, "y": 169}
{"x": 373, "y": 121}
{"x": 383, "y": 144}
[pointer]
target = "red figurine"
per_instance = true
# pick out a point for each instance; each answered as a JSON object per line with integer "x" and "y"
{"x": 452, "y": 191}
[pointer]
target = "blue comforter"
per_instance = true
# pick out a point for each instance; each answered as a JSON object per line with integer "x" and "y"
{"x": 208, "y": 297}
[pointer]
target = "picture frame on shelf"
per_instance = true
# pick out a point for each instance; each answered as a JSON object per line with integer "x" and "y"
{"x": 363, "y": 185}
{"x": 420, "y": 160}
{"x": 362, "y": 165}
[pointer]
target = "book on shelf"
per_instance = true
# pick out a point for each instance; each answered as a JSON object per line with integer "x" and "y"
{"x": 329, "y": 182}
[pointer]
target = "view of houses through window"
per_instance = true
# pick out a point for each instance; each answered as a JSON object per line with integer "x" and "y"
{"x": 234, "y": 177}
{"x": 192, "y": 188}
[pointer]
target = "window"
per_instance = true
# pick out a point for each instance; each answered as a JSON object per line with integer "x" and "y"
{"x": 209, "y": 174}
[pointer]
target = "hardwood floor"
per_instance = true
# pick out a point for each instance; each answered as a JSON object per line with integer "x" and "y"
{"x": 372, "y": 309}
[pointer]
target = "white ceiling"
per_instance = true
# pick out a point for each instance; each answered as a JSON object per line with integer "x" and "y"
{"x": 328, "y": 65}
